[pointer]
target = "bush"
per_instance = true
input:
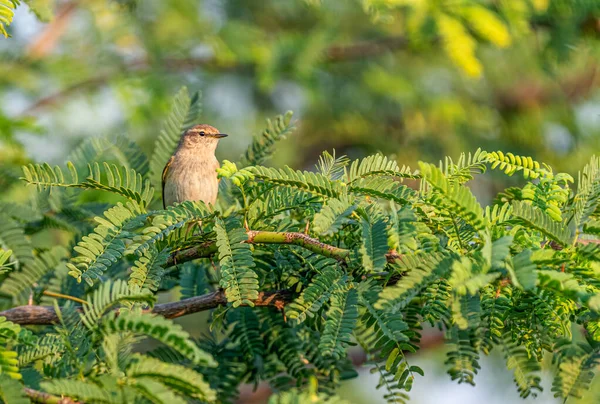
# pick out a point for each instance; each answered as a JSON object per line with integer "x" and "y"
{"x": 296, "y": 269}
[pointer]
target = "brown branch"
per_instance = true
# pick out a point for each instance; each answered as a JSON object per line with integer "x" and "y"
{"x": 45, "y": 315}
{"x": 41, "y": 315}
{"x": 45, "y": 43}
{"x": 45, "y": 398}
{"x": 363, "y": 49}
{"x": 203, "y": 250}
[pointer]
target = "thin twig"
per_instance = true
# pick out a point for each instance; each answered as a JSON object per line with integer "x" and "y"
{"x": 209, "y": 248}
{"x": 300, "y": 239}
{"x": 61, "y": 296}
{"x": 45, "y": 398}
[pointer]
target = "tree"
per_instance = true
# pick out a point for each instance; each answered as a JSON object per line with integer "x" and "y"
{"x": 295, "y": 267}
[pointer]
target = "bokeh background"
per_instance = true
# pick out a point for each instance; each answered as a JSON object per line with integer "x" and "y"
{"x": 416, "y": 79}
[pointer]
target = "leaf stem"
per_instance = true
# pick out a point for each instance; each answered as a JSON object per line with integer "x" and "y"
{"x": 61, "y": 296}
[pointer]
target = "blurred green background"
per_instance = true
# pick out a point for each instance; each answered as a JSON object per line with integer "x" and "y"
{"x": 416, "y": 79}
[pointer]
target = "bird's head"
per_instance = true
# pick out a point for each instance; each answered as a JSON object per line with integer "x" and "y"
{"x": 201, "y": 137}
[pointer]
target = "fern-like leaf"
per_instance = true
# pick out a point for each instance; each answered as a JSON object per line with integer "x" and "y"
{"x": 188, "y": 213}
{"x": 261, "y": 147}
{"x": 159, "y": 328}
{"x": 148, "y": 270}
{"x": 9, "y": 363}
{"x": 418, "y": 271}
{"x": 120, "y": 149}
{"x": 378, "y": 187}
{"x": 374, "y": 245}
{"x": 105, "y": 245}
{"x": 11, "y": 390}
{"x": 4, "y": 257}
{"x": 12, "y": 236}
{"x": 333, "y": 215}
{"x": 575, "y": 371}
{"x": 107, "y": 297}
{"x": 459, "y": 197}
{"x": 106, "y": 177}
{"x": 377, "y": 165}
{"x": 525, "y": 367}
{"x": 510, "y": 164}
{"x": 341, "y": 319}
{"x": 237, "y": 265}
{"x": 535, "y": 217}
{"x": 83, "y": 390}
{"x": 179, "y": 378}
{"x": 316, "y": 294}
{"x": 7, "y": 11}
{"x": 332, "y": 167}
{"x": 315, "y": 183}
{"x": 18, "y": 284}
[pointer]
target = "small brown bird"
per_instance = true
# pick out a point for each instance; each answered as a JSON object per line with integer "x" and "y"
{"x": 190, "y": 173}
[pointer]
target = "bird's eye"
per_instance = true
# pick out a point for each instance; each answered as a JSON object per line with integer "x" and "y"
{"x": 202, "y": 133}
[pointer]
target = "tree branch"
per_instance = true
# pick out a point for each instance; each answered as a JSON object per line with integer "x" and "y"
{"x": 300, "y": 239}
{"x": 45, "y": 43}
{"x": 45, "y": 315}
{"x": 203, "y": 250}
{"x": 41, "y": 397}
{"x": 209, "y": 248}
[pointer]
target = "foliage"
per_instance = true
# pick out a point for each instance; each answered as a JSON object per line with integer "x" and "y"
{"x": 344, "y": 256}
{"x": 7, "y": 12}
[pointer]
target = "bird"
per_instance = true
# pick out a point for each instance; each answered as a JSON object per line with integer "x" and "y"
{"x": 190, "y": 173}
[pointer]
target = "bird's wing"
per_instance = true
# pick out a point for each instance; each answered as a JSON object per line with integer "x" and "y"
{"x": 164, "y": 179}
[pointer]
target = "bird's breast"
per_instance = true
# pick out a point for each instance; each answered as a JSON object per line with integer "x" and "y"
{"x": 192, "y": 179}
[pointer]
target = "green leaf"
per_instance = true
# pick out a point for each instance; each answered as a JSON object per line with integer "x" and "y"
{"x": 148, "y": 270}
{"x": 535, "y": 217}
{"x": 262, "y": 145}
{"x": 12, "y": 236}
{"x": 179, "y": 378}
{"x": 333, "y": 215}
{"x": 83, "y": 390}
{"x": 159, "y": 328}
{"x": 459, "y": 198}
{"x": 118, "y": 180}
{"x": 7, "y": 11}
{"x": 317, "y": 293}
{"x": 315, "y": 183}
{"x": 341, "y": 319}
{"x": 377, "y": 165}
{"x": 374, "y": 245}
{"x": 522, "y": 271}
{"x": 11, "y": 391}
{"x": 237, "y": 264}
{"x": 105, "y": 246}
{"x": 106, "y": 297}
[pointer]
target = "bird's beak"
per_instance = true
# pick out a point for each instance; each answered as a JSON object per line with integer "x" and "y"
{"x": 220, "y": 135}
